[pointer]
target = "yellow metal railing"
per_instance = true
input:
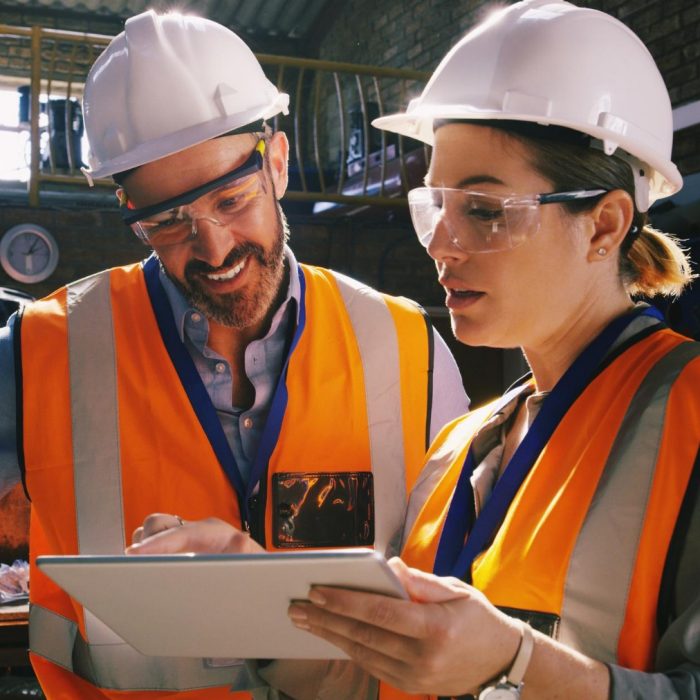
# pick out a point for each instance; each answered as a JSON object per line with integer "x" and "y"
{"x": 335, "y": 155}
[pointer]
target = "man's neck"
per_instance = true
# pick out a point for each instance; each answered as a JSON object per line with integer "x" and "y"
{"x": 231, "y": 344}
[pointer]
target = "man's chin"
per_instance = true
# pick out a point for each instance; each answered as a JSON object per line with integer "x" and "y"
{"x": 230, "y": 310}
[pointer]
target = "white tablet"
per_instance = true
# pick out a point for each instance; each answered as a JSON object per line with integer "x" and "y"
{"x": 229, "y": 605}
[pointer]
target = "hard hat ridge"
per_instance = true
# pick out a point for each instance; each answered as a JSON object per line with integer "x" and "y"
{"x": 166, "y": 83}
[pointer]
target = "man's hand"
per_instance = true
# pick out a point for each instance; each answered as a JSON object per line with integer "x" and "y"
{"x": 169, "y": 534}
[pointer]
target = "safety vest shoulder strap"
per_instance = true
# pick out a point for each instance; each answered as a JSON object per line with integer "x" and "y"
{"x": 633, "y": 469}
{"x": 374, "y": 329}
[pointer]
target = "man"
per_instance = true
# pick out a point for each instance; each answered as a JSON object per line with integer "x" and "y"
{"x": 217, "y": 379}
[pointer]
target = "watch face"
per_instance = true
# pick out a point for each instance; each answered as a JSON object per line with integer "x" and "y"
{"x": 28, "y": 253}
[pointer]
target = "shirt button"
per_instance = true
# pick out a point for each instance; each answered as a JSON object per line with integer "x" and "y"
{"x": 248, "y": 423}
{"x": 196, "y": 318}
{"x": 220, "y": 367}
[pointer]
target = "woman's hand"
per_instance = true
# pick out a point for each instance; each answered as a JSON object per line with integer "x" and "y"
{"x": 447, "y": 640}
{"x": 169, "y": 534}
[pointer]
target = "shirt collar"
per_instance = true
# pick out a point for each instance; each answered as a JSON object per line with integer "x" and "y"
{"x": 182, "y": 309}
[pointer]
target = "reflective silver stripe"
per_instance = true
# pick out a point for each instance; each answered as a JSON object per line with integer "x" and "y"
{"x": 94, "y": 411}
{"x": 94, "y": 407}
{"x": 52, "y": 636}
{"x": 122, "y": 668}
{"x": 378, "y": 344}
{"x": 602, "y": 563}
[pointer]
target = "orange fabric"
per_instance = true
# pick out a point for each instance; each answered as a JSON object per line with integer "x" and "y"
{"x": 168, "y": 464}
{"x": 534, "y": 544}
{"x": 551, "y": 505}
{"x": 162, "y": 472}
{"x": 67, "y": 686}
{"x": 413, "y": 359}
{"x": 421, "y": 546}
{"x": 675, "y": 460}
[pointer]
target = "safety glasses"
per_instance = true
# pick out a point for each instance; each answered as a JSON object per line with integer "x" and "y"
{"x": 219, "y": 201}
{"x": 477, "y": 222}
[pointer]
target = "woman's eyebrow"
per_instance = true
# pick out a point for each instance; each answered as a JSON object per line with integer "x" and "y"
{"x": 471, "y": 180}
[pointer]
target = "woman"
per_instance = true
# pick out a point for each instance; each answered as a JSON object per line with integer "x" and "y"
{"x": 551, "y": 543}
{"x": 571, "y": 503}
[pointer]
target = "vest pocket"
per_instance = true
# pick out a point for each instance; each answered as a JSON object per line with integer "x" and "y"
{"x": 322, "y": 509}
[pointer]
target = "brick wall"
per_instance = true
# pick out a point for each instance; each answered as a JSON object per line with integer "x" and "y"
{"x": 417, "y": 34}
{"x": 90, "y": 22}
{"x": 384, "y": 253}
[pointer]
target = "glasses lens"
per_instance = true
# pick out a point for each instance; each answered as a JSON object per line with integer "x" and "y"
{"x": 424, "y": 208}
{"x": 221, "y": 206}
{"x": 474, "y": 222}
{"x": 166, "y": 228}
{"x": 231, "y": 200}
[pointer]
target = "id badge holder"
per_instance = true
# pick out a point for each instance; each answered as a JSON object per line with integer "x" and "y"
{"x": 322, "y": 509}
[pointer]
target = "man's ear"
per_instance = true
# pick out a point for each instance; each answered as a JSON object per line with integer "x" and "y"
{"x": 612, "y": 219}
{"x": 278, "y": 157}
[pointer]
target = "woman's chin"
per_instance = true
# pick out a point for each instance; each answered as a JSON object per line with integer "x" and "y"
{"x": 470, "y": 332}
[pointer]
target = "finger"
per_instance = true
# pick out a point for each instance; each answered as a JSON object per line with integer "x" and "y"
{"x": 210, "y": 536}
{"x": 402, "y": 617}
{"x": 171, "y": 541}
{"x": 157, "y": 522}
{"x": 379, "y": 652}
{"x": 429, "y": 588}
{"x": 137, "y": 535}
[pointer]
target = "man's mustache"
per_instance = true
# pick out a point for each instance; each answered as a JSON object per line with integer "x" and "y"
{"x": 199, "y": 267}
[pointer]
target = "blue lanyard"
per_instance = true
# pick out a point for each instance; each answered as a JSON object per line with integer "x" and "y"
{"x": 201, "y": 401}
{"x": 455, "y": 555}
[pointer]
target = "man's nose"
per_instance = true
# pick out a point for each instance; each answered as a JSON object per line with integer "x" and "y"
{"x": 213, "y": 240}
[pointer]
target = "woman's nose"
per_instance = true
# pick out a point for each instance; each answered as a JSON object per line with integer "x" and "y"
{"x": 442, "y": 244}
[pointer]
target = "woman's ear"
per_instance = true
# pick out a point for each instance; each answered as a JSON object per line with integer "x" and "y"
{"x": 278, "y": 156}
{"x": 612, "y": 219}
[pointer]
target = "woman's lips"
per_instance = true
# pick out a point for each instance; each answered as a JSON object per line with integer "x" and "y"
{"x": 461, "y": 298}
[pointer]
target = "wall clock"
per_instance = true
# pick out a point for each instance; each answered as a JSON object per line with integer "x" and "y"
{"x": 28, "y": 253}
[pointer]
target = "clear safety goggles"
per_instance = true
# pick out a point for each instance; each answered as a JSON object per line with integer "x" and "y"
{"x": 220, "y": 201}
{"x": 477, "y": 222}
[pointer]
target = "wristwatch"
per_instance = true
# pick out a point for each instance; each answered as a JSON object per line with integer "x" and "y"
{"x": 510, "y": 684}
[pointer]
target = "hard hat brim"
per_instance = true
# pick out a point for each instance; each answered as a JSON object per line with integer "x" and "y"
{"x": 418, "y": 124}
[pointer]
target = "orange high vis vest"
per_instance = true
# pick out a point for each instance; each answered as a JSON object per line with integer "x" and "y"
{"x": 582, "y": 547}
{"x": 110, "y": 435}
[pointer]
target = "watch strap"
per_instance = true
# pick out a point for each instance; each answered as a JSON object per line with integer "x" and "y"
{"x": 522, "y": 658}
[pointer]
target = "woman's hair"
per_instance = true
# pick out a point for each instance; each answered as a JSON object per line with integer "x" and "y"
{"x": 651, "y": 262}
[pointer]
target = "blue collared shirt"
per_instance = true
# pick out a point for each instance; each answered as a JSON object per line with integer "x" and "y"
{"x": 264, "y": 359}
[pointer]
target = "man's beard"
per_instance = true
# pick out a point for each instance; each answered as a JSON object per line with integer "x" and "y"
{"x": 246, "y": 307}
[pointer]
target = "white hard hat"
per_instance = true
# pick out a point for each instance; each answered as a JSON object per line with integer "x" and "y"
{"x": 166, "y": 83}
{"x": 550, "y": 62}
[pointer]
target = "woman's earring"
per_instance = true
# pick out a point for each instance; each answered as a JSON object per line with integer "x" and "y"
{"x": 601, "y": 251}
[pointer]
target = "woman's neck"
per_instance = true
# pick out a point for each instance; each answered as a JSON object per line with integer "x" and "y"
{"x": 550, "y": 359}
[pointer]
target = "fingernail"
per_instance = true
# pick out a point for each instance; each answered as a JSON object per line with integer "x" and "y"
{"x": 298, "y": 618}
{"x": 316, "y": 597}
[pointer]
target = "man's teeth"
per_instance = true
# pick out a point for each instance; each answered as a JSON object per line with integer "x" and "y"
{"x": 223, "y": 276}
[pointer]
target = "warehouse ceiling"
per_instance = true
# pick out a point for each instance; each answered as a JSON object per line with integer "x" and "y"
{"x": 295, "y": 25}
